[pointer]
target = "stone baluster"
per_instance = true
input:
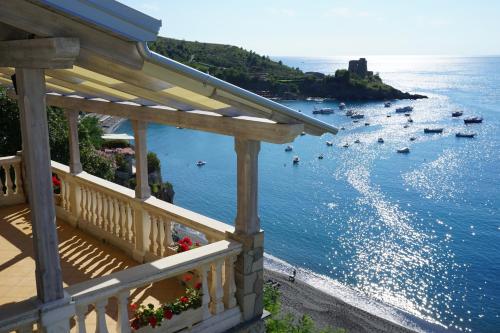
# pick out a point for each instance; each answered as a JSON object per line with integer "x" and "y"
{"x": 153, "y": 233}
{"x": 100, "y": 309}
{"x": 80, "y": 312}
{"x": 205, "y": 298}
{"x": 98, "y": 208}
{"x": 8, "y": 180}
{"x": 123, "y": 220}
{"x": 103, "y": 211}
{"x": 114, "y": 216}
{"x": 19, "y": 179}
{"x": 92, "y": 206}
{"x": 122, "y": 323}
{"x": 229, "y": 284}
{"x": 167, "y": 241}
{"x": 128, "y": 225}
{"x": 216, "y": 291}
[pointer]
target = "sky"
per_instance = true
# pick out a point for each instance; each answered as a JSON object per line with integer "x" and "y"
{"x": 324, "y": 28}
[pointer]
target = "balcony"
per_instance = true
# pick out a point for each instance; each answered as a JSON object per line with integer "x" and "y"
{"x": 99, "y": 227}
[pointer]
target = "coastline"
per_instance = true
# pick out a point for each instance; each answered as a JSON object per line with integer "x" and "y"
{"x": 339, "y": 306}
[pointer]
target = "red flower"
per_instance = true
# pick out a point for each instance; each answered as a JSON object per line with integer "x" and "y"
{"x": 187, "y": 277}
{"x": 184, "y": 247}
{"x": 135, "y": 324}
{"x": 187, "y": 240}
{"x": 56, "y": 182}
{"x": 168, "y": 314}
{"x": 197, "y": 285}
{"x": 152, "y": 321}
{"x": 133, "y": 306}
{"x": 184, "y": 299}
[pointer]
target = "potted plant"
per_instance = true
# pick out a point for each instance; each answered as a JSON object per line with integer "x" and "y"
{"x": 56, "y": 188}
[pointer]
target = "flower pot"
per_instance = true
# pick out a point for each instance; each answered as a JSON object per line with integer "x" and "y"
{"x": 182, "y": 320}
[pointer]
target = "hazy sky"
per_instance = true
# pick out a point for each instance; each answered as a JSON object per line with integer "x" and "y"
{"x": 330, "y": 28}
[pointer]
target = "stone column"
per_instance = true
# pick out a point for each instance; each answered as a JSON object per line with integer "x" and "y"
{"x": 75, "y": 166}
{"x": 249, "y": 266}
{"x": 36, "y": 151}
{"x": 142, "y": 190}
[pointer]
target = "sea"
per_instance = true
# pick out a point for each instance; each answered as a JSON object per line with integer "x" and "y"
{"x": 411, "y": 237}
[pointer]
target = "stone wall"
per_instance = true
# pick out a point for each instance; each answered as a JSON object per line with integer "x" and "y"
{"x": 358, "y": 67}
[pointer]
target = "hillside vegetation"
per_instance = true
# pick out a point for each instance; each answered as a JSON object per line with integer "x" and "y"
{"x": 260, "y": 74}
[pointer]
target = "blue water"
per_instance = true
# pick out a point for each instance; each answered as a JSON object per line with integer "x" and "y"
{"x": 420, "y": 232}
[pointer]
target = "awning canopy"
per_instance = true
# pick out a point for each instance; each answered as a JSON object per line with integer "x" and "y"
{"x": 116, "y": 65}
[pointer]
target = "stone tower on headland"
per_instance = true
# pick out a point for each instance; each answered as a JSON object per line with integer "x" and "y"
{"x": 359, "y": 67}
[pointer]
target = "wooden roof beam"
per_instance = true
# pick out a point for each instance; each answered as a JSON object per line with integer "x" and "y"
{"x": 204, "y": 121}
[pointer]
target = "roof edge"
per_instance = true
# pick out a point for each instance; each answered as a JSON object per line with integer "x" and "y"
{"x": 163, "y": 61}
{"x": 110, "y": 15}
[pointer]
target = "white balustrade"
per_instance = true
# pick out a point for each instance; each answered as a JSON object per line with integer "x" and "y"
{"x": 11, "y": 184}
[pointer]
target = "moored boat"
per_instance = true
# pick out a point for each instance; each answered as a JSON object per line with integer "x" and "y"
{"x": 320, "y": 156}
{"x": 404, "y": 150}
{"x": 380, "y": 140}
{"x": 346, "y": 145}
{"x": 201, "y": 163}
{"x": 289, "y": 148}
{"x": 465, "y": 135}
{"x": 404, "y": 109}
{"x": 457, "y": 114}
{"x": 433, "y": 130}
{"x": 413, "y": 138}
{"x": 357, "y": 116}
{"x": 387, "y": 104}
{"x": 357, "y": 141}
{"x": 473, "y": 120}
{"x": 329, "y": 143}
{"x": 296, "y": 160}
{"x": 303, "y": 133}
{"x": 342, "y": 106}
{"x": 349, "y": 112}
{"x": 323, "y": 111}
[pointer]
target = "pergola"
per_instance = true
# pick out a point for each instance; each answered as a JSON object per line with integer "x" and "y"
{"x": 83, "y": 55}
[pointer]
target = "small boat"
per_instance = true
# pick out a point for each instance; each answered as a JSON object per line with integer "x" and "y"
{"x": 320, "y": 156}
{"x": 457, "y": 114}
{"x": 406, "y": 126}
{"x": 388, "y": 116}
{"x": 342, "y": 106}
{"x": 367, "y": 124}
{"x": 201, "y": 163}
{"x": 407, "y": 114}
{"x": 380, "y": 140}
{"x": 296, "y": 160}
{"x": 323, "y": 111}
{"x": 349, "y": 113}
{"x": 413, "y": 138}
{"x": 404, "y": 109}
{"x": 404, "y": 150}
{"x": 410, "y": 120}
{"x": 355, "y": 121}
{"x": 329, "y": 143}
{"x": 357, "y": 116}
{"x": 357, "y": 141}
{"x": 346, "y": 145}
{"x": 387, "y": 104}
{"x": 342, "y": 128}
{"x": 178, "y": 127}
{"x": 303, "y": 133}
{"x": 433, "y": 130}
{"x": 465, "y": 135}
{"x": 289, "y": 148}
{"x": 473, "y": 120}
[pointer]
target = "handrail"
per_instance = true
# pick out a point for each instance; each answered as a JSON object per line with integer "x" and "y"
{"x": 161, "y": 269}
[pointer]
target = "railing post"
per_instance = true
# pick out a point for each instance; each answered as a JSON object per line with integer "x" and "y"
{"x": 205, "y": 301}
{"x": 142, "y": 230}
{"x": 229, "y": 284}
{"x": 249, "y": 266}
{"x": 122, "y": 324}
{"x": 216, "y": 291}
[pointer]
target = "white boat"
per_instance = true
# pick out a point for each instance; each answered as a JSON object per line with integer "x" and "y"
{"x": 380, "y": 140}
{"x": 201, "y": 163}
{"x": 404, "y": 150}
{"x": 404, "y": 109}
{"x": 387, "y": 104}
{"x": 465, "y": 135}
{"x": 296, "y": 160}
{"x": 346, "y": 145}
{"x": 323, "y": 111}
{"x": 303, "y": 133}
{"x": 433, "y": 130}
{"x": 349, "y": 113}
{"x": 329, "y": 143}
{"x": 357, "y": 116}
{"x": 342, "y": 106}
{"x": 357, "y": 141}
{"x": 289, "y": 148}
{"x": 473, "y": 120}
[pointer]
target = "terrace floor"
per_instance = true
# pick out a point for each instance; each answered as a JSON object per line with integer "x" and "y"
{"x": 82, "y": 258}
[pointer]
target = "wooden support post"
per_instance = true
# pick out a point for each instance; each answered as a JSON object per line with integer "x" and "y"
{"x": 249, "y": 265}
{"x": 75, "y": 166}
{"x": 31, "y": 88}
{"x": 142, "y": 190}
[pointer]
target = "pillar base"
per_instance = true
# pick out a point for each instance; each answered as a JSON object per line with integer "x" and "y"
{"x": 249, "y": 275}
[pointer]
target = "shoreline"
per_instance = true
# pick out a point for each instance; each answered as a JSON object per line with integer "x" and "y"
{"x": 325, "y": 309}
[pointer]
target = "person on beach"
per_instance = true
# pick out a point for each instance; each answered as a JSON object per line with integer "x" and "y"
{"x": 291, "y": 278}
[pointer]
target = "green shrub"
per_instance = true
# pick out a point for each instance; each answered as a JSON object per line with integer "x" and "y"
{"x": 111, "y": 144}
{"x": 153, "y": 162}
